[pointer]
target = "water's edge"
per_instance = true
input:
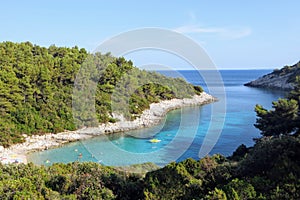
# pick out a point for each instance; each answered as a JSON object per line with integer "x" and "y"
{"x": 149, "y": 117}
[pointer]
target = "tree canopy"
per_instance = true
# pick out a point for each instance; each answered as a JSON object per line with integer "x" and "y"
{"x": 269, "y": 170}
{"x": 37, "y": 85}
{"x": 284, "y": 118}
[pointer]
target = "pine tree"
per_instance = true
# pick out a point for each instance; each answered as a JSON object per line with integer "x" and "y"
{"x": 284, "y": 118}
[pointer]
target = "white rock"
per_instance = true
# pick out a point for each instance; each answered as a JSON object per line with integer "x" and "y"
{"x": 149, "y": 117}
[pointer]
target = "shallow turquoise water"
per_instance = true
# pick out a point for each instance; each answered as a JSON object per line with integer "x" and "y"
{"x": 181, "y": 133}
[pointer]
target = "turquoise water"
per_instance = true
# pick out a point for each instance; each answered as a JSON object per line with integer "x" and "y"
{"x": 181, "y": 133}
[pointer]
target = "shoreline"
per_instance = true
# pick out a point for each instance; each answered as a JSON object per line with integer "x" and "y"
{"x": 17, "y": 153}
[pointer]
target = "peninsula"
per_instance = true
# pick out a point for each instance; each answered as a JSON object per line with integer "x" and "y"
{"x": 283, "y": 79}
{"x": 37, "y": 111}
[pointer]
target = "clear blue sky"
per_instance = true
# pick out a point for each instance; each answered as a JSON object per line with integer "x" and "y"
{"x": 235, "y": 34}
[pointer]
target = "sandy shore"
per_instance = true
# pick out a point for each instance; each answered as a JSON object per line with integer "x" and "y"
{"x": 17, "y": 153}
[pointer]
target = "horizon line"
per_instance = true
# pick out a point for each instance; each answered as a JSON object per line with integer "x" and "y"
{"x": 193, "y": 69}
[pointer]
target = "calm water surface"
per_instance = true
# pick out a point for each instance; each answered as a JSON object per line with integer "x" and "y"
{"x": 181, "y": 133}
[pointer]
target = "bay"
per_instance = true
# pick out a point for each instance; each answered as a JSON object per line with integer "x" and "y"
{"x": 183, "y": 131}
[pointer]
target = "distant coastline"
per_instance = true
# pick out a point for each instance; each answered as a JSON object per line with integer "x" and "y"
{"x": 282, "y": 79}
{"x": 148, "y": 118}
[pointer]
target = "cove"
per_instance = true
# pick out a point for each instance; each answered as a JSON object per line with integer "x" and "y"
{"x": 178, "y": 141}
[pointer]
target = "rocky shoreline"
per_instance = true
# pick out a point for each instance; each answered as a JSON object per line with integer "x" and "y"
{"x": 148, "y": 118}
{"x": 279, "y": 79}
{"x": 272, "y": 81}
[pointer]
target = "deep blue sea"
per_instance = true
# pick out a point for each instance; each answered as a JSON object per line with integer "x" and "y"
{"x": 184, "y": 132}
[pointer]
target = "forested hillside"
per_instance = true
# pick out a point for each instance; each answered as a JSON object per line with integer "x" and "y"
{"x": 268, "y": 170}
{"x": 36, "y": 87}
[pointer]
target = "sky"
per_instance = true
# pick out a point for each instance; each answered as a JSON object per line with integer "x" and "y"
{"x": 235, "y": 34}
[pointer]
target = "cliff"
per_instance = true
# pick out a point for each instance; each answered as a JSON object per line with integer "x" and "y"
{"x": 283, "y": 79}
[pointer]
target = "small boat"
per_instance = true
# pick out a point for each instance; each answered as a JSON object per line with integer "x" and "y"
{"x": 154, "y": 140}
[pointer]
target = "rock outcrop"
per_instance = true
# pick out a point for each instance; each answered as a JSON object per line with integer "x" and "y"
{"x": 283, "y": 79}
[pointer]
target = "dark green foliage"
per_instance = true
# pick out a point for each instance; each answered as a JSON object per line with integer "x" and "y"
{"x": 239, "y": 189}
{"x": 189, "y": 179}
{"x": 284, "y": 119}
{"x": 216, "y": 194}
{"x": 41, "y": 81}
{"x": 295, "y": 94}
{"x": 273, "y": 163}
{"x": 198, "y": 89}
{"x": 268, "y": 154}
{"x": 147, "y": 94}
{"x": 37, "y": 87}
{"x": 71, "y": 181}
{"x": 239, "y": 153}
{"x": 271, "y": 170}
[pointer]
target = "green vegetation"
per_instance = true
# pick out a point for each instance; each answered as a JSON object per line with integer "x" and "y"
{"x": 71, "y": 181}
{"x": 293, "y": 72}
{"x": 268, "y": 170}
{"x": 284, "y": 118}
{"x": 37, "y": 83}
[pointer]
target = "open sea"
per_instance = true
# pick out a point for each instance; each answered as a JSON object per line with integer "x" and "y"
{"x": 184, "y": 133}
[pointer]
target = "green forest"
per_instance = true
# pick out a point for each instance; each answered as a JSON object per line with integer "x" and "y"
{"x": 37, "y": 86}
{"x": 268, "y": 170}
